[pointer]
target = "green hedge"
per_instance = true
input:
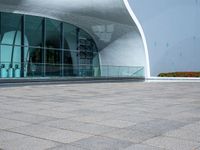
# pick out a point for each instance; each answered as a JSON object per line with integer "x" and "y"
{"x": 180, "y": 74}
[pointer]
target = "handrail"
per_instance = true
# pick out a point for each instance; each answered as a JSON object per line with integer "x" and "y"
{"x": 82, "y": 70}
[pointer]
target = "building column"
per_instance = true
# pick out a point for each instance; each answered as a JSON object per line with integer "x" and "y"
{"x": 22, "y": 45}
{"x": 62, "y": 48}
{"x": 43, "y": 46}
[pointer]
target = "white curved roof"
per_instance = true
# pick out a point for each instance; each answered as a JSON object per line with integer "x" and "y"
{"x": 101, "y": 18}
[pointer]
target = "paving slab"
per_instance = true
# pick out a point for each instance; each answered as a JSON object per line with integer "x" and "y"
{"x": 102, "y": 143}
{"x": 25, "y": 117}
{"x": 8, "y": 124}
{"x": 49, "y": 133}
{"x": 7, "y": 136}
{"x": 157, "y": 126}
{"x": 116, "y": 123}
{"x": 67, "y": 147}
{"x": 28, "y": 143}
{"x": 185, "y": 133}
{"x": 135, "y": 136}
{"x": 172, "y": 143}
{"x": 143, "y": 147}
{"x": 78, "y": 126}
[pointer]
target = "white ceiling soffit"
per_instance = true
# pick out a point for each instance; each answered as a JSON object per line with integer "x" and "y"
{"x": 105, "y": 20}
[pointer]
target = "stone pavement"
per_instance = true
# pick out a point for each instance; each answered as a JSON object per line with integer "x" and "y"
{"x": 103, "y": 116}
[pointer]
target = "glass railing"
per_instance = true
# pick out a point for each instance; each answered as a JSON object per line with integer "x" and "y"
{"x": 122, "y": 71}
{"x": 34, "y": 70}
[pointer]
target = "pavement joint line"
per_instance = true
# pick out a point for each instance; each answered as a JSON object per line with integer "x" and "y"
{"x": 32, "y": 136}
{"x": 36, "y": 137}
{"x": 24, "y": 121}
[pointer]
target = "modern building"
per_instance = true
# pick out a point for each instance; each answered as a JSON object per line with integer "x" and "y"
{"x": 93, "y": 38}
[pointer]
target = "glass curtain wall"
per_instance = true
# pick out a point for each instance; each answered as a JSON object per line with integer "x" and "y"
{"x": 33, "y": 46}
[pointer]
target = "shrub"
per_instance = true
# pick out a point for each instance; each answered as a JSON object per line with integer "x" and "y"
{"x": 180, "y": 74}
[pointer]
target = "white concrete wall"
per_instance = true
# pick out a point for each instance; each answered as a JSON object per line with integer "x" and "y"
{"x": 172, "y": 30}
{"x": 125, "y": 51}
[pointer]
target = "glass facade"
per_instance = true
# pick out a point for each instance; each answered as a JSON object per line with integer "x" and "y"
{"x": 33, "y": 46}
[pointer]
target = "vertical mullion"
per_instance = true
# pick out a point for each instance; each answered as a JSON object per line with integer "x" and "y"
{"x": 44, "y": 46}
{"x": 78, "y": 53}
{"x": 62, "y": 48}
{"x": 22, "y": 44}
{"x": 0, "y": 36}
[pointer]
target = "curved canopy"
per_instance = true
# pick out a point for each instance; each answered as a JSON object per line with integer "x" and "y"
{"x": 106, "y": 20}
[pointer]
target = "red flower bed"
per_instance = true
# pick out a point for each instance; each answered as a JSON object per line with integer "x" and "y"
{"x": 180, "y": 74}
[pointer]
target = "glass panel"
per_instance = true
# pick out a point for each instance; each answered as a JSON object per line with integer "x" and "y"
{"x": 86, "y": 42}
{"x": 96, "y": 67}
{"x": 68, "y": 57}
{"x": 35, "y": 66}
{"x": 70, "y": 37}
{"x": 53, "y": 56}
{"x": 10, "y": 29}
{"x": 10, "y": 61}
{"x": 53, "y": 70}
{"x": 53, "y": 62}
{"x": 33, "y": 31}
{"x": 86, "y": 71}
{"x": 10, "y": 55}
{"x": 70, "y": 63}
{"x": 53, "y": 34}
{"x": 87, "y": 58}
{"x": 69, "y": 70}
{"x": 35, "y": 55}
{"x": 95, "y": 59}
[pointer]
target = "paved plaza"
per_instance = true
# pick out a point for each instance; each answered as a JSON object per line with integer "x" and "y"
{"x": 101, "y": 116}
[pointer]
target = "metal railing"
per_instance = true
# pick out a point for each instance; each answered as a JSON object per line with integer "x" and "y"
{"x": 34, "y": 70}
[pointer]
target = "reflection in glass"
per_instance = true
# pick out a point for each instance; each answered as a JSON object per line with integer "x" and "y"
{"x": 10, "y": 29}
{"x": 53, "y": 34}
{"x": 33, "y": 46}
{"x": 33, "y": 31}
{"x": 53, "y": 62}
{"x": 70, "y": 43}
{"x": 35, "y": 66}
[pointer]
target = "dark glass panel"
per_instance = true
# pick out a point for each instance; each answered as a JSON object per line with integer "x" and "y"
{"x": 53, "y": 62}
{"x": 33, "y": 31}
{"x": 69, "y": 70}
{"x": 53, "y": 34}
{"x": 70, "y": 63}
{"x": 35, "y": 55}
{"x": 86, "y": 42}
{"x": 35, "y": 66}
{"x": 68, "y": 57}
{"x": 53, "y": 56}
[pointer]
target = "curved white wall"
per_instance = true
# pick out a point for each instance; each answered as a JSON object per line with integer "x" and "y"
{"x": 125, "y": 51}
{"x": 172, "y": 30}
